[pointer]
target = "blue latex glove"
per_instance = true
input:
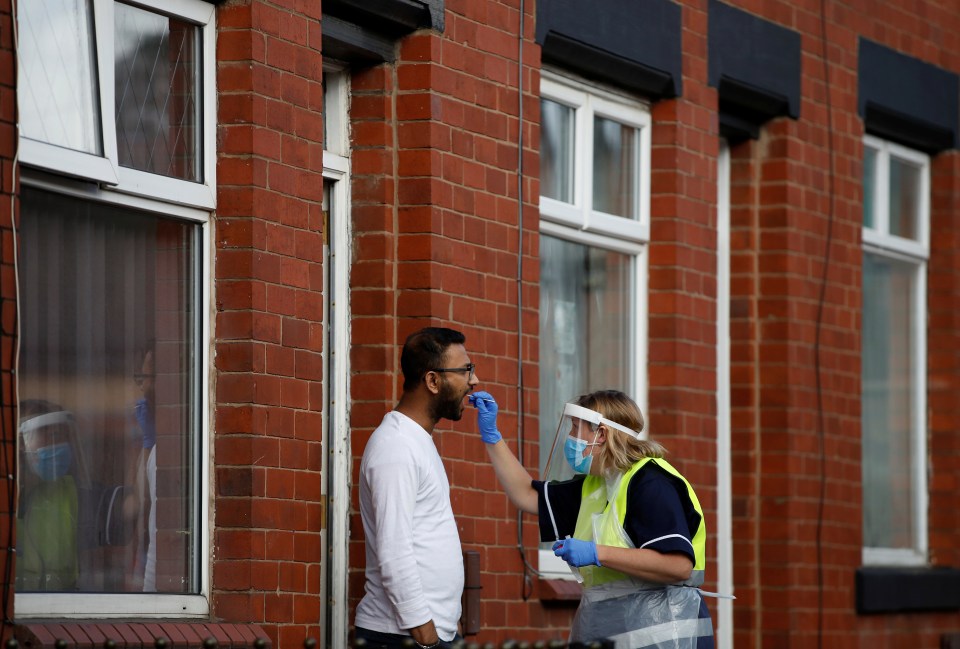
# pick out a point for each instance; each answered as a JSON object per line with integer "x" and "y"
{"x": 576, "y": 552}
{"x": 486, "y": 416}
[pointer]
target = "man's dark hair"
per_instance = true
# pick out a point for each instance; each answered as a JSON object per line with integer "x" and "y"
{"x": 423, "y": 351}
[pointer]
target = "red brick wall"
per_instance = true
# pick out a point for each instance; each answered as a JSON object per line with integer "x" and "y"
{"x": 778, "y": 242}
{"x": 436, "y": 240}
{"x": 782, "y": 206}
{"x": 681, "y": 404}
{"x": 422, "y": 205}
{"x": 267, "y": 331}
{"x": 943, "y": 359}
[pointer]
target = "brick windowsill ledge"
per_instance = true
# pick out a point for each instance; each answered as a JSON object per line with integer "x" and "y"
{"x": 91, "y": 634}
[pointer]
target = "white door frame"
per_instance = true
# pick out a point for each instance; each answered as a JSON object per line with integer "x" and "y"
{"x": 336, "y": 465}
{"x": 724, "y": 480}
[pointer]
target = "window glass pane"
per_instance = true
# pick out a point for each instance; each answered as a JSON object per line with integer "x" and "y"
{"x": 904, "y": 198}
{"x": 869, "y": 186}
{"x": 888, "y": 377}
{"x": 586, "y": 320}
{"x": 556, "y": 151}
{"x": 58, "y": 95}
{"x": 109, "y": 501}
{"x": 323, "y": 111}
{"x": 614, "y": 168}
{"x": 157, "y": 61}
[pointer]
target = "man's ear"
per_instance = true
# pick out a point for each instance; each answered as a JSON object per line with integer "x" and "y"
{"x": 432, "y": 381}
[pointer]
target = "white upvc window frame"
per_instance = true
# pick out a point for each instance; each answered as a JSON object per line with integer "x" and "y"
{"x": 106, "y": 169}
{"x": 145, "y": 605}
{"x": 81, "y": 175}
{"x": 878, "y": 236}
{"x": 877, "y": 240}
{"x": 589, "y": 101}
{"x": 577, "y": 222}
{"x": 82, "y": 164}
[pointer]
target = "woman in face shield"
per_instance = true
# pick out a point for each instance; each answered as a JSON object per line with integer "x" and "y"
{"x": 47, "y": 526}
{"x": 628, "y": 524}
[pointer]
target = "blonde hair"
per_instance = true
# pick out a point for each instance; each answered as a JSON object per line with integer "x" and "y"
{"x": 621, "y": 451}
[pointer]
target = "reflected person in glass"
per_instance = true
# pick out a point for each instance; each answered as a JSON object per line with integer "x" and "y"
{"x": 48, "y": 514}
{"x": 65, "y": 518}
{"x": 145, "y": 414}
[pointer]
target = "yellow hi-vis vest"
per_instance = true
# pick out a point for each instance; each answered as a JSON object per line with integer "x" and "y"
{"x": 627, "y": 610}
{"x": 47, "y": 538}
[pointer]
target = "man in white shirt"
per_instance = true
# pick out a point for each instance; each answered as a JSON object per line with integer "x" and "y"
{"x": 414, "y": 562}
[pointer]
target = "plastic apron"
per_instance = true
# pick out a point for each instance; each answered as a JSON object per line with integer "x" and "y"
{"x": 629, "y": 611}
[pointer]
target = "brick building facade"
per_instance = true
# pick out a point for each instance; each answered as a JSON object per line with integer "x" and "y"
{"x": 742, "y": 213}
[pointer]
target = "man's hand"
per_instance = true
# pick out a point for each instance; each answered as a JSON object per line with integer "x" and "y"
{"x": 486, "y": 416}
{"x": 576, "y": 552}
{"x": 425, "y": 634}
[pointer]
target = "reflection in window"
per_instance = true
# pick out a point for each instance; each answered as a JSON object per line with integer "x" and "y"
{"x": 614, "y": 168}
{"x": 157, "y": 93}
{"x": 869, "y": 186}
{"x": 888, "y": 379}
{"x": 556, "y": 151}
{"x": 58, "y": 92}
{"x": 586, "y": 311}
{"x": 904, "y": 198}
{"x": 109, "y": 425}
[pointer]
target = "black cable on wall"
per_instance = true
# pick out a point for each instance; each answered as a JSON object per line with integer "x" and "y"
{"x": 526, "y": 587}
{"x": 821, "y": 424}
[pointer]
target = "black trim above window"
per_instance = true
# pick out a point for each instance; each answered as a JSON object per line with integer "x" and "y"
{"x": 900, "y": 590}
{"x": 364, "y": 32}
{"x": 604, "y": 66}
{"x": 744, "y": 109}
{"x": 626, "y": 43}
{"x": 347, "y": 41}
{"x": 755, "y": 66}
{"x": 907, "y": 100}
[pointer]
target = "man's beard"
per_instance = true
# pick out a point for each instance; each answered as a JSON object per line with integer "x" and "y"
{"x": 448, "y": 404}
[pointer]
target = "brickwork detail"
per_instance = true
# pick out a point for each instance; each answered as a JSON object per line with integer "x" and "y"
{"x": 268, "y": 330}
{"x": 148, "y": 635}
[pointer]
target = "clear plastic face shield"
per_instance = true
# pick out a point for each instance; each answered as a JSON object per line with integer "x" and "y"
{"x": 574, "y": 451}
{"x": 48, "y": 443}
{"x": 575, "y": 444}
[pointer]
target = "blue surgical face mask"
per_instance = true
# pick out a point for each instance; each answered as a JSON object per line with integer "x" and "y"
{"x": 573, "y": 450}
{"x": 51, "y": 462}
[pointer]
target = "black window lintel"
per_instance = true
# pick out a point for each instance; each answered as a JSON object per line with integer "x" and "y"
{"x": 907, "y": 100}
{"x": 364, "y": 31}
{"x": 599, "y": 64}
{"x": 900, "y": 590}
{"x": 745, "y": 108}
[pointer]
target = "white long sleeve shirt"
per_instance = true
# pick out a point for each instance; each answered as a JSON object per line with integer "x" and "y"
{"x": 414, "y": 562}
